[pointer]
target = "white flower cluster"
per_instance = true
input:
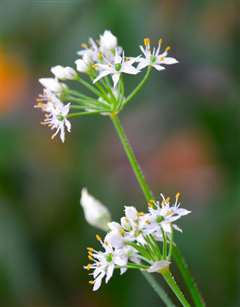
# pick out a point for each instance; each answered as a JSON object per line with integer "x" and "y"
{"x": 134, "y": 242}
{"x": 98, "y": 60}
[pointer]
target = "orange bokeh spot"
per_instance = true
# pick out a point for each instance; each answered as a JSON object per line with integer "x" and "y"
{"x": 13, "y": 81}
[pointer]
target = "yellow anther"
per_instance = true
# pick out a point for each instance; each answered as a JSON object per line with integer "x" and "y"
{"x": 91, "y": 282}
{"x": 160, "y": 41}
{"x": 88, "y": 267}
{"x": 90, "y": 249}
{"x": 151, "y": 203}
{"x": 140, "y": 213}
{"x": 84, "y": 46}
{"x": 90, "y": 258}
{"x": 177, "y": 196}
{"x": 146, "y": 41}
{"x": 122, "y": 232}
{"x": 98, "y": 238}
{"x": 167, "y": 49}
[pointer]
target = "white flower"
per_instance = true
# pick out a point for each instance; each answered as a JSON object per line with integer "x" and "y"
{"x": 159, "y": 266}
{"x": 56, "y": 113}
{"x": 104, "y": 263}
{"x": 53, "y": 85}
{"x": 154, "y": 58}
{"x": 90, "y": 53}
{"x": 108, "y": 41}
{"x": 64, "y": 73}
{"x": 119, "y": 65}
{"x": 132, "y": 228}
{"x": 96, "y": 214}
{"x": 163, "y": 215}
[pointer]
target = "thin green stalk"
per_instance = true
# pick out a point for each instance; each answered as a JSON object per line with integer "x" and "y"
{"x": 158, "y": 289}
{"x": 131, "y": 157}
{"x": 183, "y": 268}
{"x": 173, "y": 285}
{"x": 187, "y": 277}
{"x": 139, "y": 86}
{"x": 82, "y": 114}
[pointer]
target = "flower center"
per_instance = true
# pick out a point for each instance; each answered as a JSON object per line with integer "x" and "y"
{"x": 109, "y": 258}
{"x": 159, "y": 219}
{"x": 153, "y": 58}
{"x": 60, "y": 117}
{"x": 118, "y": 66}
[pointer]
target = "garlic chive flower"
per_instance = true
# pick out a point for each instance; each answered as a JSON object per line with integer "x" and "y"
{"x": 154, "y": 57}
{"x": 55, "y": 113}
{"x": 99, "y": 87}
{"x": 140, "y": 241}
{"x": 96, "y": 214}
{"x": 118, "y": 66}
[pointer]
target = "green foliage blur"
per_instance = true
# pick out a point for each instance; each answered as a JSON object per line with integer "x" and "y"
{"x": 184, "y": 128}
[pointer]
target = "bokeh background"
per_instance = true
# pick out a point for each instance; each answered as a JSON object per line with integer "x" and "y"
{"x": 184, "y": 128}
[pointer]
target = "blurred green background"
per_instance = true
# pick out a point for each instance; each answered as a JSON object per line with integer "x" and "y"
{"x": 184, "y": 128}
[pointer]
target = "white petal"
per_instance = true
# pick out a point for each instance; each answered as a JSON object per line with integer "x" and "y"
{"x": 115, "y": 79}
{"x": 143, "y": 63}
{"x": 98, "y": 282}
{"x": 109, "y": 274}
{"x": 169, "y": 61}
{"x": 129, "y": 69}
{"x": 131, "y": 213}
{"x": 158, "y": 67}
{"x": 101, "y": 75}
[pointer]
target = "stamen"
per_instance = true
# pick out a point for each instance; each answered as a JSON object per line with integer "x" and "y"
{"x": 146, "y": 42}
{"x": 91, "y": 282}
{"x": 98, "y": 238}
{"x": 90, "y": 258}
{"x": 84, "y": 45}
{"x": 167, "y": 48}
{"x": 151, "y": 203}
{"x": 88, "y": 267}
{"x": 177, "y": 197}
{"x": 90, "y": 249}
{"x": 160, "y": 41}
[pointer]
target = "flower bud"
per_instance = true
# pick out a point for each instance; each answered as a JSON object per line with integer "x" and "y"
{"x": 96, "y": 214}
{"x": 63, "y": 73}
{"x": 159, "y": 266}
{"x": 53, "y": 85}
{"x": 108, "y": 41}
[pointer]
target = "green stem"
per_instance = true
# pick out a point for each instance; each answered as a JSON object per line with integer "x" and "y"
{"x": 158, "y": 289}
{"x": 187, "y": 277}
{"x": 139, "y": 86}
{"x": 183, "y": 268}
{"x": 131, "y": 157}
{"x": 173, "y": 285}
{"x": 77, "y": 114}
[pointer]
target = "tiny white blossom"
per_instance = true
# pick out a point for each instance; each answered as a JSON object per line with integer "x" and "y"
{"x": 165, "y": 215}
{"x": 96, "y": 214}
{"x": 108, "y": 41}
{"x": 119, "y": 65}
{"x": 154, "y": 58}
{"x": 64, "y": 73}
{"x": 104, "y": 263}
{"x": 53, "y": 85}
{"x": 56, "y": 113}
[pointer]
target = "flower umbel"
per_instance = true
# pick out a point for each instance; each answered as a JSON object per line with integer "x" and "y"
{"x": 100, "y": 70}
{"x": 134, "y": 243}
